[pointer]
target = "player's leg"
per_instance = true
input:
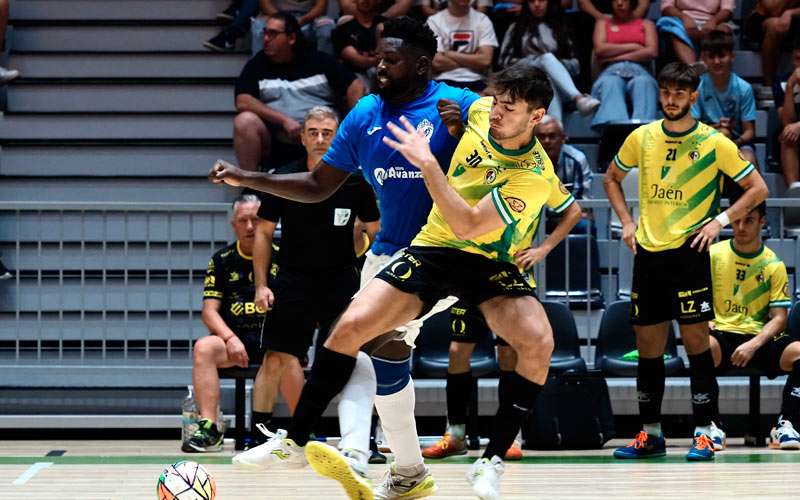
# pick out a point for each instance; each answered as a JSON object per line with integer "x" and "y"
{"x": 703, "y": 379}
{"x": 292, "y": 383}
{"x": 784, "y": 435}
{"x": 507, "y": 362}
{"x": 209, "y": 354}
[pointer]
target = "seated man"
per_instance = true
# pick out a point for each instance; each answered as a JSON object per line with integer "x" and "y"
{"x": 750, "y": 309}
{"x": 786, "y": 91}
{"x": 234, "y": 323}
{"x": 356, "y": 40}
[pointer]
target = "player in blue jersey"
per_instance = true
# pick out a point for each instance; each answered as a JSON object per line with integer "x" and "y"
{"x": 405, "y": 51}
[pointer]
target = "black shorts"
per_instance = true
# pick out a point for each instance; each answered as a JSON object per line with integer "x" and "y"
{"x": 304, "y": 301}
{"x": 254, "y": 346}
{"x": 468, "y": 326}
{"x": 433, "y": 273}
{"x": 671, "y": 284}
{"x": 767, "y": 359}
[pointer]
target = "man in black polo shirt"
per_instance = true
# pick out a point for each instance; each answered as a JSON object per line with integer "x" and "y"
{"x": 317, "y": 272}
{"x": 276, "y": 89}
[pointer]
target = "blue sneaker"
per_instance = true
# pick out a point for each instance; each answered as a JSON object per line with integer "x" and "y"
{"x": 702, "y": 449}
{"x": 643, "y": 446}
{"x": 784, "y": 436}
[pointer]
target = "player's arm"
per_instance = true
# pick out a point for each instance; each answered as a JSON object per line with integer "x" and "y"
{"x": 305, "y": 187}
{"x": 217, "y": 326}
{"x": 364, "y": 234}
{"x": 777, "y": 324}
{"x": 612, "y": 182}
{"x": 748, "y": 133}
{"x": 755, "y": 191}
{"x": 262, "y": 260}
{"x": 530, "y": 256}
{"x": 466, "y": 222}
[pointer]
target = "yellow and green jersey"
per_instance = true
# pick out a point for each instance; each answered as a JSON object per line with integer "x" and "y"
{"x": 520, "y": 182}
{"x": 745, "y": 287}
{"x": 680, "y": 178}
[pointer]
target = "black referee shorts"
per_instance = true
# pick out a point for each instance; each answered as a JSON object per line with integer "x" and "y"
{"x": 767, "y": 359}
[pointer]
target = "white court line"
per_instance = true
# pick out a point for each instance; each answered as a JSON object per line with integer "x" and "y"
{"x": 32, "y": 471}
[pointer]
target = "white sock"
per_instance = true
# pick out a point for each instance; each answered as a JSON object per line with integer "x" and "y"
{"x": 458, "y": 431}
{"x": 653, "y": 429}
{"x": 397, "y": 419}
{"x": 355, "y": 406}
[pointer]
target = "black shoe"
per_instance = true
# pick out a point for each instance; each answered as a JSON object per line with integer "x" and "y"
{"x": 377, "y": 457}
{"x": 228, "y": 14}
{"x": 206, "y": 438}
{"x": 225, "y": 41}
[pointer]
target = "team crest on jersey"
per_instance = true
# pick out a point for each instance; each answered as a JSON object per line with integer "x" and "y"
{"x": 562, "y": 188}
{"x": 694, "y": 155}
{"x": 515, "y": 204}
{"x": 490, "y": 177}
{"x": 426, "y": 127}
{"x": 234, "y": 276}
{"x": 760, "y": 277}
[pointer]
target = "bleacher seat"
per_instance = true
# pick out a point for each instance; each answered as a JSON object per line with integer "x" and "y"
{"x": 576, "y": 291}
{"x": 567, "y": 352}
{"x": 616, "y": 338}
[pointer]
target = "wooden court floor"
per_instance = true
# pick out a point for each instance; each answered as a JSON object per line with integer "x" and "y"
{"x": 121, "y": 470}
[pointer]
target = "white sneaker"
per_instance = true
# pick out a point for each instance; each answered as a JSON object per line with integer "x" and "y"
{"x": 396, "y": 486}
{"x": 484, "y": 476}
{"x": 784, "y": 436}
{"x": 587, "y": 104}
{"x": 329, "y": 462}
{"x": 279, "y": 450}
{"x": 717, "y": 437}
{"x": 6, "y": 75}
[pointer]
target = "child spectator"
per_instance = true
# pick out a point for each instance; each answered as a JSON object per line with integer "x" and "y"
{"x": 725, "y": 100}
{"x": 539, "y": 38}
{"x": 624, "y": 45}
{"x": 354, "y": 41}
{"x": 687, "y": 22}
{"x": 787, "y": 99}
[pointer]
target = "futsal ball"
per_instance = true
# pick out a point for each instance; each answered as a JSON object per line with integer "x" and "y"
{"x": 185, "y": 480}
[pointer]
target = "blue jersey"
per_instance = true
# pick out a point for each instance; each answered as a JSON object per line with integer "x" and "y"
{"x": 358, "y": 147}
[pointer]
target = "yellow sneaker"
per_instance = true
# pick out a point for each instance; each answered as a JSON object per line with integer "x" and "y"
{"x": 329, "y": 462}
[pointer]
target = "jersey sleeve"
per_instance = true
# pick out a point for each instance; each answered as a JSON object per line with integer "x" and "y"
{"x": 247, "y": 83}
{"x": 270, "y": 208}
{"x": 779, "y": 287}
{"x": 560, "y": 198}
{"x": 343, "y": 152}
{"x": 466, "y": 99}
{"x": 522, "y": 197}
{"x": 487, "y": 36}
{"x": 628, "y": 156}
{"x": 368, "y": 208}
{"x": 748, "y": 104}
{"x": 212, "y": 286}
{"x": 730, "y": 160}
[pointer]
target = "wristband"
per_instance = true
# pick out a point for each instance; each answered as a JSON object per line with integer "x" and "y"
{"x": 723, "y": 219}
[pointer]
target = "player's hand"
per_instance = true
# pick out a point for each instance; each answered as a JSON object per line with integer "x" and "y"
{"x": 629, "y": 235}
{"x": 292, "y": 128}
{"x": 706, "y": 236}
{"x": 236, "y": 352}
{"x": 411, "y": 144}
{"x": 530, "y": 256}
{"x": 264, "y": 298}
{"x": 222, "y": 171}
{"x": 450, "y": 113}
{"x": 744, "y": 353}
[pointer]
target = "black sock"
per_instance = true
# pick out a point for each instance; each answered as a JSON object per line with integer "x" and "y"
{"x": 650, "y": 376}
{"x": 504, "y": 384}
{"x": 459, "y": 390}
{"x": 328, "y": 376}
{"x": 790, "y": 408}
{"x": 260, "y": 417}
{"x": 516, "y": 404}
{"x": 705, "y": 390}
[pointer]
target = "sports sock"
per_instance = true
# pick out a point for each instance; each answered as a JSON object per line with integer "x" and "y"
{"x": 355, "y": 406}
{"x": 503, "y": 383}
{"x": 705, "y": 390}
{"x": 650, "y": 386}
{"x": 514, "y": 407}
{"x": 397, "y": 419}
{"x": 790, "y": 408}
{"x": 653, "y": 429}
{"x": 458, "y": 390}
{"x": 328, "y": 376}
{"x": 260, "y": 417}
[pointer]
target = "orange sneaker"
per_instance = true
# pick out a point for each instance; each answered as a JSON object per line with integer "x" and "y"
{"x": 514, "y": 452}
{"x": 445, "y": 447}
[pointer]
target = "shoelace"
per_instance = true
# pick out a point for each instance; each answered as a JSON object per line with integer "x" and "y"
{"x": 639, "y": 441}
{"x": 263, "y": 429}
{"x": 444, "y": 442}
{"x": 702, "y": 442}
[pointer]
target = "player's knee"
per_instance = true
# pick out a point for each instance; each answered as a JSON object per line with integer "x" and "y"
{"x": 247, "y": 121}
{"x": 459, "y": 351}
{"x": 350, "y": 331}
{"x": 506, "y": 357}
{"x": 392, "y": 376}
{"x": 206, "y": 348}
{"x": 790, "y": 356}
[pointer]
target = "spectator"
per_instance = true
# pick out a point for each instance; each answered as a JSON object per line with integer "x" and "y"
{"x": 6, "y": 75}
{"x": 725, "y": 100}
{"x": 466, "y": 44}
{"x": 687, "y": 22}
{"x": 234, "y": 322}
{"x": 539, "y": 38}
{"x": 277, "y": 87}
{"x": 623, "y": 45}
{"x": 767, "y": 25}
{"x": 311, "y": 287}
{"x": 427, "y": 8}
{"x": 602, "y": 9}
{"x": 787, "y": 98}
{"x": 387, "y": 8}
{"x": 315, "y": 26}
{"x": 355, "y": 40}
{"x": 571, "y": 167}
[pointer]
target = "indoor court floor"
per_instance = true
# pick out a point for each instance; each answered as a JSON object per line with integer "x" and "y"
{"x": 94, "y": 470}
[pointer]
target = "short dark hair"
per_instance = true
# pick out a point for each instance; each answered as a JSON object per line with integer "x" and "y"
{"x": 761, "y": 208}
{"x": 414, "y": 33}
{"x": 291, "y": 26}
{"x": 717, "y": 42}
{"x": 525, "y": 82}
{"x": 679, "y": 74}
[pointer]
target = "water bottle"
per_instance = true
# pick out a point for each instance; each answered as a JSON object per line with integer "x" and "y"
{"x": 189, "y": 415}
